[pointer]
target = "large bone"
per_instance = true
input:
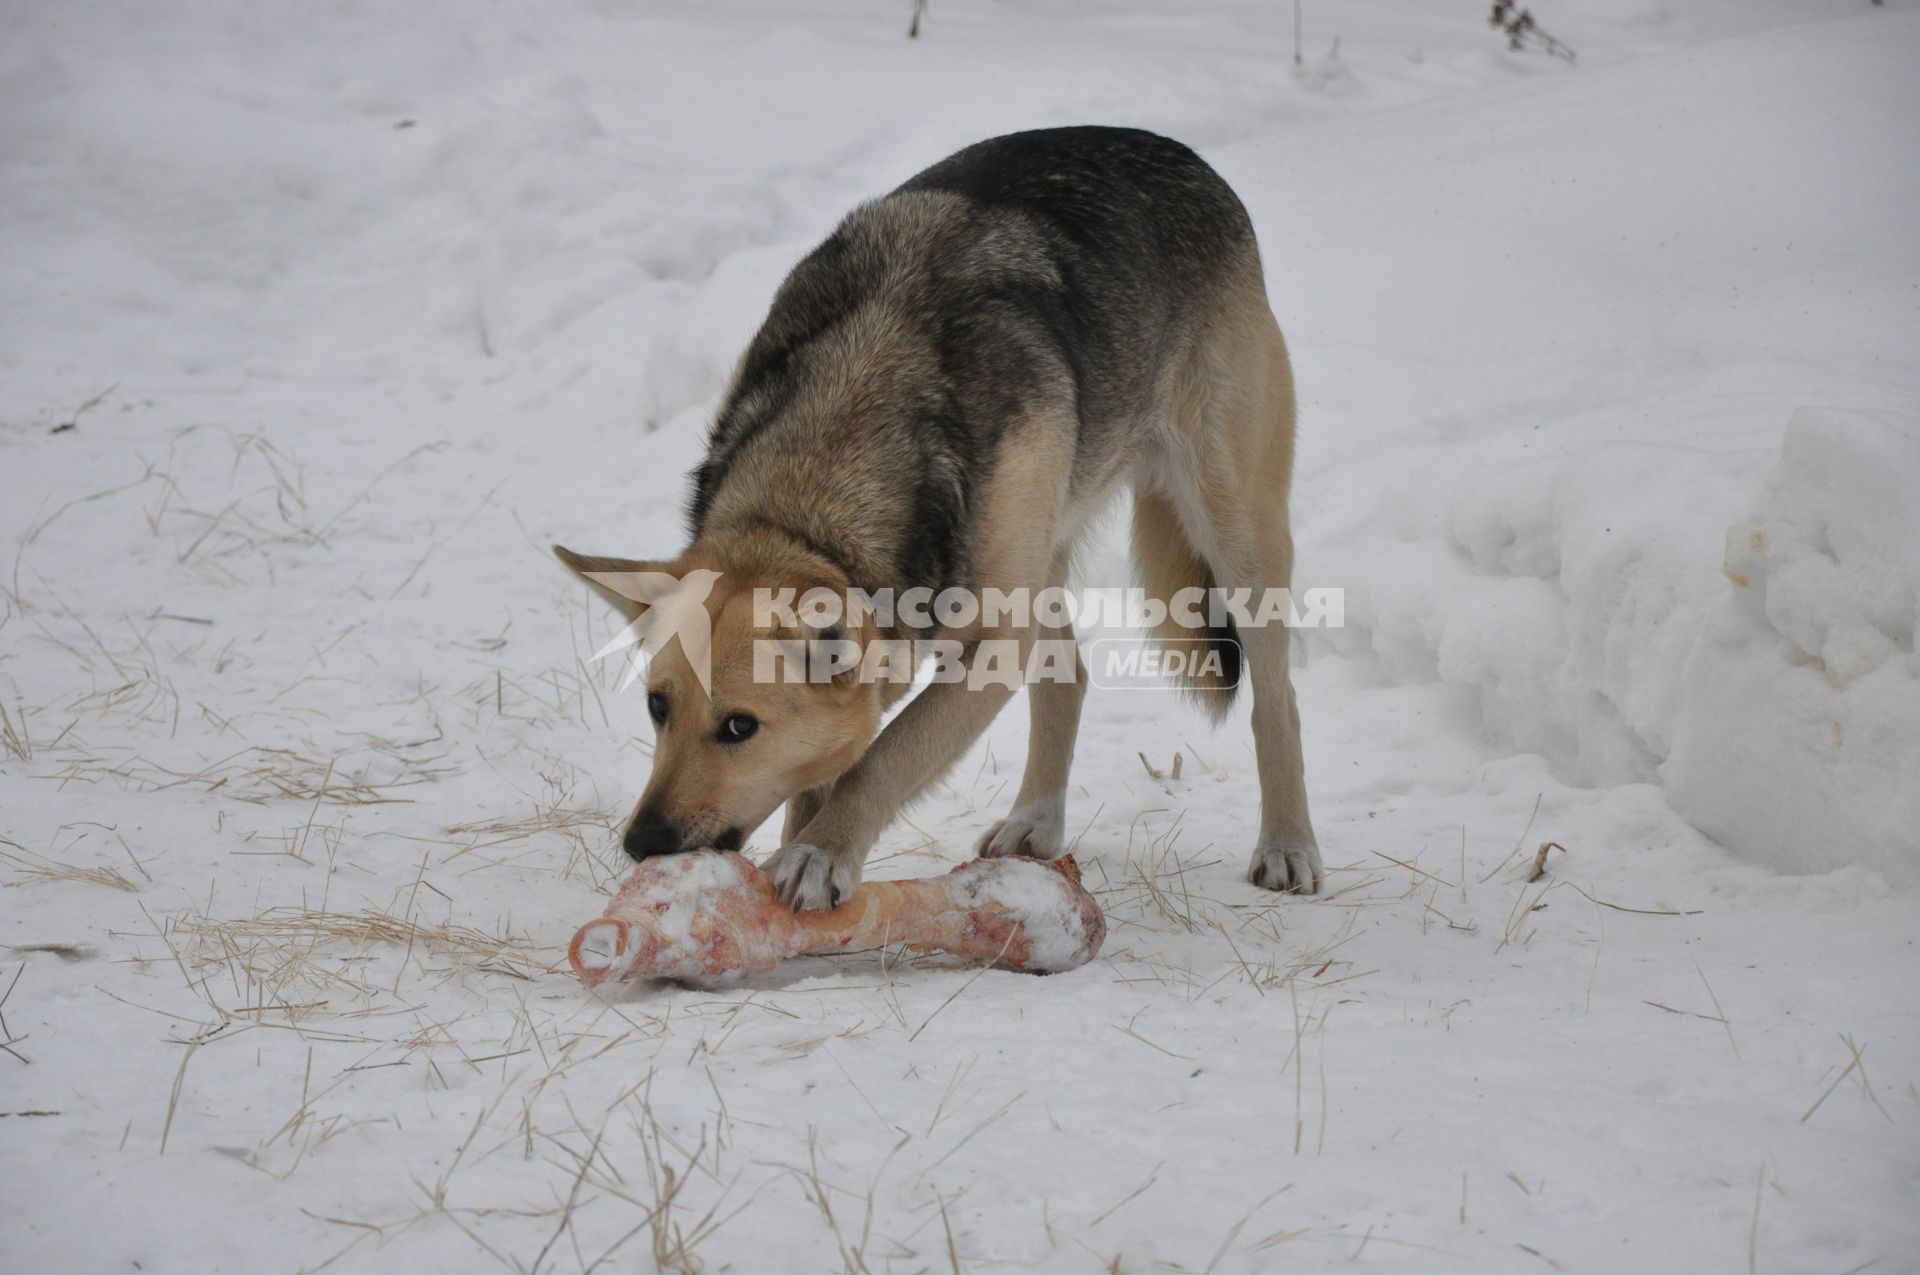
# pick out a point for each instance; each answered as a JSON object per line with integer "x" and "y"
{"x": 710, "y": 916}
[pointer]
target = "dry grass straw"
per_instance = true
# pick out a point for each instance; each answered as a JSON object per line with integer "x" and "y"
{"x": 1520, "y": 841}
{"x": 15, "y": 735}
{"x": 288, "y": 959}
{"x": 1856, "y": 1062}
{"x": 1153, "y": 890}
{"x": 854, "y": 1251}
{"x": 675, "y": 1232}
{"x": 674, "y": 1227}
{"x": 173, "y": 1098}
{"x": 273, "y": 510}
{"x": 7, "y": 1039}
{"x": 1154, "y": 772}
{"x": 282, "y": 774}
{"x": 369, "y": 925}
{"x": 1539, "y": 866}
{"x": 585, "y": 831}
{"x": 33, "y": 867}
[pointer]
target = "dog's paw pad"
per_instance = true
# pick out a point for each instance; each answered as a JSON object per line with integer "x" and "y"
{"x": 1292, "y": 867}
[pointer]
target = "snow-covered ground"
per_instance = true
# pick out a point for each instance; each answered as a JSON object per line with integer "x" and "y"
{"x": 322, "y": 321}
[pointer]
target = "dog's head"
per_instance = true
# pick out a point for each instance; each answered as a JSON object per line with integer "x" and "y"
{"x": 731, "y": 743}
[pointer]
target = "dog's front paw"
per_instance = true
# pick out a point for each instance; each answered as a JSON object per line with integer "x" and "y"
{"x": 1036, "y": 830}
{"x": 811, "y": 879}
{"x": 1289, "y": 866}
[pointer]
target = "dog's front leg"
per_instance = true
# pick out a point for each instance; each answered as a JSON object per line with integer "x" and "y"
{"x": 1037, "y": 824}
{"x": 801, "y": 808}
{"x": 822, "y": 868}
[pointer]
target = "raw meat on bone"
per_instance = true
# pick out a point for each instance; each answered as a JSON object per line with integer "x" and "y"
{"x": 712, "y": 915}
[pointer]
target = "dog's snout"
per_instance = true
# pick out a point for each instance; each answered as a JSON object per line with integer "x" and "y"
{"x": 650, "y": 834}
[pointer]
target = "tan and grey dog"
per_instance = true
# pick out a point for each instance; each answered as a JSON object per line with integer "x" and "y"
{"x": 942, "y": 395}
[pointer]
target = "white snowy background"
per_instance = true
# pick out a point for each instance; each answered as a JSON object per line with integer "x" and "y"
{"x": 319, "y": 322}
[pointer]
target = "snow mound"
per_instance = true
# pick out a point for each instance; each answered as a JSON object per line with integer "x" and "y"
{"x": 1799, "y": 735}
{"x": 1595, "y": 377}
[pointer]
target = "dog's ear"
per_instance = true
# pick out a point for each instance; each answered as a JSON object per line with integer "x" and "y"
{"x": 629, "y": 585}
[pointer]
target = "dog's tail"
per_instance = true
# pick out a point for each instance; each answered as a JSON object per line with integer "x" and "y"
{"x": 1168, "y": 563}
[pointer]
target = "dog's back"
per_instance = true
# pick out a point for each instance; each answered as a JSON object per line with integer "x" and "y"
{"x": 1141, "y": 231}
{"x": 1072, "y": 268}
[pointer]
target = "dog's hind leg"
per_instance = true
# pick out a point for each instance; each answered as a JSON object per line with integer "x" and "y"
{"x": 1232, "y": 490}
{"x": 1287, "y": 856}
{"x": 1037, "y": 824}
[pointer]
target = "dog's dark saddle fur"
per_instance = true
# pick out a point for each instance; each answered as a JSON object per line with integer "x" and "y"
{"x": 1062, "y": 262}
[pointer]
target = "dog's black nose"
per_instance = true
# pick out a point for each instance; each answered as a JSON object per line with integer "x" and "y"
{"x": 649, "y": 834}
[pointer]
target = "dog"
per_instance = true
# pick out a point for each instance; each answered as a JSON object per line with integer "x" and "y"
{"x": 943, "y": 394}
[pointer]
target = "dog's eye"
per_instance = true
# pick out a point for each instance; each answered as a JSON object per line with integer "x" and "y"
{"x": 657, "y": 707}
{"x": 737, "y": 728}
